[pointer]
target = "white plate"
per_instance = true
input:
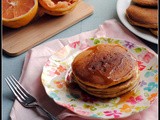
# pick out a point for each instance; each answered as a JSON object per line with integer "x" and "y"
{"x": 122, "y": 5}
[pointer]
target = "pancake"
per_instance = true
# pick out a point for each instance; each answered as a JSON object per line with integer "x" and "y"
{"x": 102, "y": 95}
{"x": 112, "y": 89}
{"x": 146, "y": 3}
{"x": 104, "y": 65}
{"x": 143, "y": 17}
{"x": 109, "y": 93}
{"x": 154, "y": 31}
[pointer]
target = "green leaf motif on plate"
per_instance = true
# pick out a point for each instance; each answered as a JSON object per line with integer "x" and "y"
{"x": 110, "y": 40}
{"x": 140, "y": 108}
{"x": 146, "y": 94}
{"x": 116, "y": 41}
{"x": 138, "y": 50}
{"x": 97, "y": 104}
{"x": 104, "y": 106}
{"x": 92, "y": 108}
{"x": 96, "y": 41}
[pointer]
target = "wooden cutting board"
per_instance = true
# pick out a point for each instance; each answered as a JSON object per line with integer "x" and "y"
{"x": 17, "y": 41}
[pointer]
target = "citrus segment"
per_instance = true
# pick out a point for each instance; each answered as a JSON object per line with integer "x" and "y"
{"x": 42, "y": 11}
{"x": 58, "y": 7}
{"x": 17, "y": 13}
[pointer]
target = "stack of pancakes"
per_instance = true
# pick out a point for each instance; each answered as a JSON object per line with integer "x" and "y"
{"x": 144, "y": 13}
{"x": 105, "y": 70}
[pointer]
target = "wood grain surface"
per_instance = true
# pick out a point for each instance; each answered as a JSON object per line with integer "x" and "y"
{"x": 17, "y": 41}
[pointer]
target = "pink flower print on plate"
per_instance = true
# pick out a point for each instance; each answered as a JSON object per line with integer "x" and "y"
{"x": 52, "y": 72}
{"x": 147, "y": 57}
{"x": 59, "y": 84}
{"x": 140, "y": 65}
{"x": 135, "y": 100}
{"x": 114, "y": 113}
{"x": 74, "y": 44}
{"x": 58, "y": 71}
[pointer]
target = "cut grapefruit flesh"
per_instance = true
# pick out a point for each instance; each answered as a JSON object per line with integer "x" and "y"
{"x": 58, "y": 5}
{"x": 42, "y": 11}
{"x": 18, "y": 13}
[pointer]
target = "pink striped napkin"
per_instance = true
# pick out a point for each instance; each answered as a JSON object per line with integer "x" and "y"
{"x": 36, "y": 58}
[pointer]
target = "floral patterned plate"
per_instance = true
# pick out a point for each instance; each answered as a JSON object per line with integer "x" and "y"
{"x": 60, "y": 87}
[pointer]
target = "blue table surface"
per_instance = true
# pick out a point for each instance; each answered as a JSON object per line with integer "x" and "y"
{"x": 103, "y": 10}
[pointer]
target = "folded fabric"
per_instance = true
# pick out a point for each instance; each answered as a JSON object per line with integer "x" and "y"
{"x": 37, "y": 57}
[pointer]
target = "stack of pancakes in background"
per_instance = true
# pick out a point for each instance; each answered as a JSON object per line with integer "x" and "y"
{"x": 144, "y": 13}
{"x": 105, "y": 70}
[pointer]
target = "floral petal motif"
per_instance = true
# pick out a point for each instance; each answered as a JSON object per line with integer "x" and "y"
{"x": 151, "y": 86}
{"x": 141, "y": 66}
{"x": 152, "y": 97}
{"x": 132, "y": 100}
{"x": 129, "y": 44}
{"x": 59, "y": 84}
{"x": 115, "y": 113}
{"x": 61, "y": 69}
{"x": 74, "y": 44}
{"x": 57, "y": 73}
{"x": 156, "y": 77}
{"x": 139, "y": 98}
{"x": 54, "y": 96}
{"x": 147, "y": 57}
{"x": 108, "y": 113}
{"x": 142, "y": 83}
{"x": 126, "y": 108}
{"x": 135, "y": 100}
{"x": 148, "y": 74}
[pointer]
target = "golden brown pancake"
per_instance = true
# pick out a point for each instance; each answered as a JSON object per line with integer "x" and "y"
{"x": 112, "y": 89}
{"x": 104, "y": 65}
{"x": 143, "y": 17}
{"x": 146, "y": 3}
{"x": 154, "y": 31}
{"x": 103, "y": 95}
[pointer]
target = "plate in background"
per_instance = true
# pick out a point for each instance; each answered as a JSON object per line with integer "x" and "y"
{"x": 122, "y": 5}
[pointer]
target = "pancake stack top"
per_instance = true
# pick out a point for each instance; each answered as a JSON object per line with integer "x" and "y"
{"x": 105, "y": 70}
{"x": 144, "y": 13}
